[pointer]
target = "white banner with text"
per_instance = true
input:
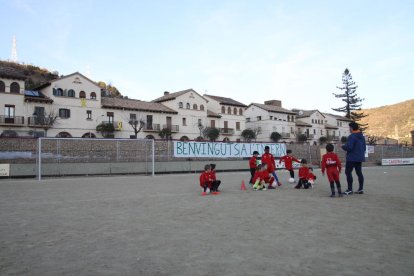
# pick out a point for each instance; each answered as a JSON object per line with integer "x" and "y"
{"x": 225, "y": 150}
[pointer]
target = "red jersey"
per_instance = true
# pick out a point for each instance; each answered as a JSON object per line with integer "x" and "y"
{"x": 269, "y": 160}
{"x": 288, "y": 161}
{"x": 213, "y": 175}
{"x": 311, "y": 176}
{"x": 304, "y": 173}
{"x": 330, "y": 161}
{"x": 205, "y": 178}
{"x": 256, "y": 176}
{"x": 252, "y": 162}
{"x": 265, "y": 175}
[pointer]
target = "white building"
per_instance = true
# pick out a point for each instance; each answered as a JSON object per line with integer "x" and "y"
{"x": 191, "y": 110}
{"x": 227, "y": 115}
{"x": 271, "y": 117}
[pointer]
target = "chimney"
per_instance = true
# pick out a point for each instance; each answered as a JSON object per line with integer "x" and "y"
{"x": 274, "y": 103}
{"x": 166, "y": 93}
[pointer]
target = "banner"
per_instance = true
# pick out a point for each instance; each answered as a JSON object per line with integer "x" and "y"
{"x": 397, "y": 161}
{"x": 224, "y": 150}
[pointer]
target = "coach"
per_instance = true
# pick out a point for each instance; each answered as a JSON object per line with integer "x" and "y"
{"x": 355, "y": 154}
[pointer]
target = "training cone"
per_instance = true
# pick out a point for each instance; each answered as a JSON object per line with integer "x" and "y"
{"x": 243, "y": 186}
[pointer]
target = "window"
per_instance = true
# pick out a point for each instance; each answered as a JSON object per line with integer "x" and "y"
{"x": 71, "y": 93}
{"x": 89, "y": 114}
{"x": 180, "y": 105}
{"x": 213, "y": 123}
{"x": 64, "y": 113}
{"x": 259, "y": 118}
{"x": 240, "y": 111}
{"x": 235, "y": 111}
{"x": 195, "y": 107}
{"x": 223, "y": 110}
{"x": 291, "y": 130}
{"x": 132, "y": 116}
{"x": 187, "y": 106}
{"x": 288, "y": 118}
{"x": 57, "y": 92}
{"x": 14, "y": 88}
{"x": 247, "y": 120}
{"x": 229, "y": 110}
{"x": 93, "y": 96}
{"x": 184, "y": 121}
{"x": 201, "y": 107}
{"x": 199, "y": 122}
{"x": 237, "y": 125}
{"x": 313, "y": 121}
{"x": 314, "y": 131}
{"x": 110, "y": 116}
{"x": 82, "y": 95}
{"x": 271, "y": 117}
{"x": 2, "y": 87}
{"x": 321, "y": 132}
{"x": 149, "y": 122}
{"x": 9, "y": 111}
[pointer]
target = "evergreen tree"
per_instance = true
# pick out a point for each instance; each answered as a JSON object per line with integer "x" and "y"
{"x": 351, "y": 99}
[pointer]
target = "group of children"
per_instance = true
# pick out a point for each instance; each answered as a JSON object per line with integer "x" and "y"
{"x": 263, "y": 175}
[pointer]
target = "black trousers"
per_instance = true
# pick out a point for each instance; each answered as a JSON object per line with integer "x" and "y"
{"x": 215, "y": 185}
{"x": 303, "y": 182}
{"x": 292, "y": 173}
{"x": 349, "y": 167}
{"x": 252, "y": 172}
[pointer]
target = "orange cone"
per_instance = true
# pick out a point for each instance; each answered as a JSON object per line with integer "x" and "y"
{"x": 243, "y": 186}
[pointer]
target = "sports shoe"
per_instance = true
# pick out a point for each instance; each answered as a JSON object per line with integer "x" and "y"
{"x": 279, "y": 184}
{"x": 264, "y": 189}
{"x": 203, "y": 193}
{"x": 271, "y": 187}
{"x": 359, "y": 192}
{"x": 215, "y": 193}
{"x": 348, "y": 192}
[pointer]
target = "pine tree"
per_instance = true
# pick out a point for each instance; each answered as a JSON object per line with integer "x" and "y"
{"x": 351, "y": 99}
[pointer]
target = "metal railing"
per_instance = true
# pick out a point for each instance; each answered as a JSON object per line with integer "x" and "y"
{"x": 152, "y": 127}
{"x": 227, "y": 131}
{"x": 8, "y": 120}
{"x": 172, "y": 128}
{"x": 285, "y": 135}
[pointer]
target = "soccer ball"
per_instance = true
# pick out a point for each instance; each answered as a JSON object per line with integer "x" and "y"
{"x": 291, "y": 180}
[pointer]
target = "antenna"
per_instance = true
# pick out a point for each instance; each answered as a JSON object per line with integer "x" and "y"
{"x": 14, "y": 50}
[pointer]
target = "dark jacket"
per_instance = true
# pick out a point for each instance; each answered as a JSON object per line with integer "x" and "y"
{"x": 355, "y": 147}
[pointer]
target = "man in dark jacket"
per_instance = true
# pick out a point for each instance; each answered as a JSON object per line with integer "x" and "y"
{"x": 355, "y": 154}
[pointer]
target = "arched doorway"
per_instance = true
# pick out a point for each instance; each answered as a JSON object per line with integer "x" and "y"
{"x": 184, "y": 138}
{"x": 149, "y": 137}
{"x": 89, "y": 135}
{"x": 64, "y": 135}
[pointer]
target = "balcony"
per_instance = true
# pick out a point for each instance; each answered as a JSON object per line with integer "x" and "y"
{"x": 333, "y": 138}
{"x": 310, "y": 136}
{"x": 152, "y": 127}
{"x": 172, "y": 128}
{"x": 227, "y": 131}
{"x": 12, "y": 121}
{"x": 285, "y": 135}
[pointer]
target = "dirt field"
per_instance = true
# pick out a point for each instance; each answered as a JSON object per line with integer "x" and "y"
{"x": 138, "y": 225}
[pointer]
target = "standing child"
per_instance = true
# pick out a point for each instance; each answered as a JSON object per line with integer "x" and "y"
{"x": 215, "y": 183}
{"x": 253, "y": 165}
{"x": 269, "y": 160}
{"x": 303, "y": 175}
{"x": 332, "y": 165}
{"x": 288, "y": 159}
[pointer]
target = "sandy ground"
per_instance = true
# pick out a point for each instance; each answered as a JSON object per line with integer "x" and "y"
{"x": 139, "y": 225}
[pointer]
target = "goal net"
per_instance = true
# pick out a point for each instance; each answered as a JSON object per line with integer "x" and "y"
{"x": 91, "y": 156}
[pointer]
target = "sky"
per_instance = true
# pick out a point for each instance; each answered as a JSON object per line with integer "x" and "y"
{"x": 248, "y": 50}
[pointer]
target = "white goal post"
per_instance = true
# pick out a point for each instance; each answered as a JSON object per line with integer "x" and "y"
{"x": 82, "y": 155}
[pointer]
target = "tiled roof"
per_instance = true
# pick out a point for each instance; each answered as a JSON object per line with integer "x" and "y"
{"x": 212, "y": 114}
{"x": 330, "y": 126}
{"x": 338, "y": 117}
{"x": 227, "y": 101}
{"x": 11, "y": 73}
{"x": 64, "y": 77}
{"x": 172, "y": 96}
{"x": 301, "y": 123}
{"x": 135, "y": 105}
{"x": 273, "y": 108}
{"x": 304, "y": 113}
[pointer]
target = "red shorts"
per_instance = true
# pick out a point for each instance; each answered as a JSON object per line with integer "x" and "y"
{"x": 333, "y": 174}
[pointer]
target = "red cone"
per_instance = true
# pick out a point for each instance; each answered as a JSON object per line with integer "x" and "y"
{"x": 243, "y": 186}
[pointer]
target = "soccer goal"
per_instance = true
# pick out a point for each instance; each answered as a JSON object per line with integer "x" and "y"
{"x": 92, "y": 156}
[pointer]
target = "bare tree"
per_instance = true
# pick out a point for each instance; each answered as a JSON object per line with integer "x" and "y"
{"x": 46, "y": 120}
{"x": 372, "y": 139}
{"x": 257, "y": 131}
{"x": 137, "y": 124}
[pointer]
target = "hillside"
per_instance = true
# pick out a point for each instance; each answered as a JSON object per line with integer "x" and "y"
{"x": 394, "y": 121}
{"x": 36, "y": 76}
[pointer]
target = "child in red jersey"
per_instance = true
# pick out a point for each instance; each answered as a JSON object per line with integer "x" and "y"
{"x": 303, "y": 175}
{"x": 267, "y": 178}
{"x": 311, "y": 177}
{"x": 215, "y": 183}
{"x": 260, "y": 177}
{"x": 269, "y": 160}
{"x": 253, "y": 166}
{"x": 257, "y": 174}
{"x": 288, "y": 159}
{"x": 332, "y": 165}
{"x": 205, "y": 180}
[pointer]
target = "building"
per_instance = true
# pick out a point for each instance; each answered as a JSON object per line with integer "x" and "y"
{"x": 191, "y": 117}
{"x": 271, "y": 117}
{"x": 227, "y": 115}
